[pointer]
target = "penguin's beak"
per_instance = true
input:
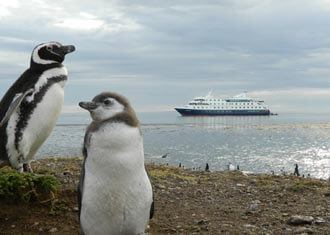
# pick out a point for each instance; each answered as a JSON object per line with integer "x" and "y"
{"x": 88, "y": 105}
{"x": 68, "y": 49}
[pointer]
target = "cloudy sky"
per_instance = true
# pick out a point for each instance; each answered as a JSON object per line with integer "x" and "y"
{"x": 160, "y": 54}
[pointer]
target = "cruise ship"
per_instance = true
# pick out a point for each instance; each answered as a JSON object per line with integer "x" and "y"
{"x": 210, "y": 106}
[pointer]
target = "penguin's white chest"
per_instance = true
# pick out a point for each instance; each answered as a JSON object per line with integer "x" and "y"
{"x": 41, "y": 121}
{"x": 43, "y": 118}
{"x": 117, "y": 191}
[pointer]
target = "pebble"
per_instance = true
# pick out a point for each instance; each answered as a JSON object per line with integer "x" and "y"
{"x": 253, "y": 207}
{"x": 327, "y": 194}
{"x": 53, "y": 230}
{"x": 300, "y": 220}
{"x": 319, "y": 220}
{"x": 253, "y": 181}
{"x": 201, "y": 222}
{"x": 161, "y": 186}
{"x": 67, "y": 173}
{"x": 13, "y": 225}
{"x": 303, "y": 230}
{"x": 249, "y": 226}
{"x": 75, "y": 209}
{"x": 35, "y": 224}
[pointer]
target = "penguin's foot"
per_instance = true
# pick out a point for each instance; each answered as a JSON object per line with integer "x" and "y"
{"x": 27, "y": 168}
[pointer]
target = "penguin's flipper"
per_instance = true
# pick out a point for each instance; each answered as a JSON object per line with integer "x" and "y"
{"x": 152, "y": 206}
{"x": 81, "y": 187}
{"x": 82, "y": 172}
{"x": 14, "y": 105}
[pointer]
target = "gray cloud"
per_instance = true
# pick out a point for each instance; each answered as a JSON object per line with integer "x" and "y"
{"x": 162, "y": 53}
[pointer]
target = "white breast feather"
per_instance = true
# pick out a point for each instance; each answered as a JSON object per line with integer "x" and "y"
{"x": 117, "y": 191}
{"x": 43, "y": 79}
{"x": 41, "y": 122}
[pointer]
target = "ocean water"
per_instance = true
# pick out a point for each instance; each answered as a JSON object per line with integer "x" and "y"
{"x": 258, "y": 144}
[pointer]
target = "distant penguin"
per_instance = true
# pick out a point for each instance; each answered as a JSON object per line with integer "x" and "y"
{"x": 207, "y": 167}
{"x": 31, "y": 106}
{"x": 115, "y": 194}
{"x": 296, "y": 170}
{"x": 230, "y": 167}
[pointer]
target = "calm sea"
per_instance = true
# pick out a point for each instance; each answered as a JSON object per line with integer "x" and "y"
{"x": 257, "y": 144}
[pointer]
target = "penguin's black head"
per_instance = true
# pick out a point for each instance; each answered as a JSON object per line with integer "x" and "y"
{"x": 109, "y": 105}
{"x": 50, "y": 53}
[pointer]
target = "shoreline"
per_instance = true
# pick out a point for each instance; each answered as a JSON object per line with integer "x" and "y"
{"x": 188, "y": 202}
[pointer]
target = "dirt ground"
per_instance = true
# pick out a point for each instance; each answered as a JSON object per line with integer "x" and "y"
{"x": 188, "y": 202}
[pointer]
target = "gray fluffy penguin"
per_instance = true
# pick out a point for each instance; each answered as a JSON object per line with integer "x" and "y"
{"x": 115, "y": 193}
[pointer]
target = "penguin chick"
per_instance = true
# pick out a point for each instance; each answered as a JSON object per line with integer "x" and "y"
{"x": 31, "y": 106}
{"x": 115, "y": 194}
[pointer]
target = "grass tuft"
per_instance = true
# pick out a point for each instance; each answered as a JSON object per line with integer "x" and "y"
{"x": 27, "y": 187}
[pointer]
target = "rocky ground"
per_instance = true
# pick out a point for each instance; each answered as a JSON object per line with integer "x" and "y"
{"x": 188, "y": 202}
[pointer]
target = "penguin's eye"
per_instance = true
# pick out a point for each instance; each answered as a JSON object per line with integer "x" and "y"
{"x": 107, "y": 102}
{"x": 49, "y": 48}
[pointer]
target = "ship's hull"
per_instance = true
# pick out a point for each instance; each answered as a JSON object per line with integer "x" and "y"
{"x": 205, "y": 112}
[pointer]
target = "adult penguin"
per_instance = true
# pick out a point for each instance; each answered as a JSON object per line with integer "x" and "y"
{"x": 31, "y": 106}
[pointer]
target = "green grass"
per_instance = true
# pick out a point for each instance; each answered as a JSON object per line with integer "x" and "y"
{"x": 27, "y": 187}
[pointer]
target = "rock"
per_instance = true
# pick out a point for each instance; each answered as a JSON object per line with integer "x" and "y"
{"x": 13, "y": 225}
{"x": 253, "y": 181}
{"x": 67, "y": 173}
{"x": 249, "y": 226}
{"x": 327, "y": 194}
{"x": 300, "y": 220}
{"x": 319, "y": 220}
{"x": 53, "y": 230}
{"x": 202, "y": 222}
{"x": 75, "y": 209}
{"x": 303, "y": 230}
{"x": 254, "y": 206}
{"x": 35, "y": 224}
{"x": 160, "y": 186}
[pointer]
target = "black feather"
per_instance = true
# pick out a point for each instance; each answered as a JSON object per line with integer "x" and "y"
{"x": 152, "y": 206}
{"x": 25, "y": 82}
